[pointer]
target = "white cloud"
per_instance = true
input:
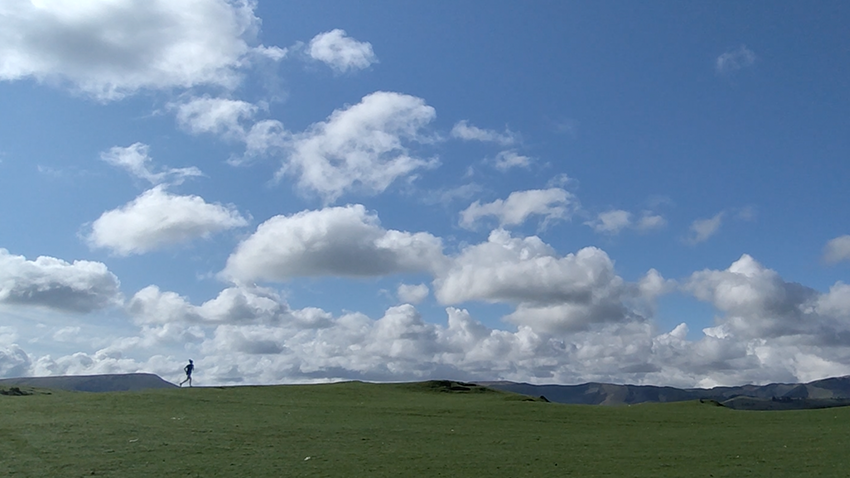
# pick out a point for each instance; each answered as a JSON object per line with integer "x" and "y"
{"x": 248, "y": 336}
{"x": 653, "y": 285}
{"x": 337, "y": 241}
{"x": 158, "y": 219}
{"x": 615, "y": 221}
{"x": 273, "y": 53}
{"x": 611, "y": 222}
{"x": 113, "y": 49}
{"x": 769, "y": 329}
{"x": 702, "y": 229}
{"x": 837, "y": 250}
{"x": 553, "y": 294}
{"x": 734, "y": 60}
{"x": 264, "y": 137}
{"x": 412, "y": 294}
{"x": 509, "y": 269}
{"x": 506, "y": 160}
{"x": 447, "y": 196}
{"x": 233, "y": 120}
{"x": 756, "y": 301}
{"x": 364, "y": 146}
{"x": 234, "y": 305}
{"x": 136, "y": 161}
{"x": 561, "y": 180}
{"x": 218, "y": 116}
{"x": 649, "y": 221}
{"x": 836, "y": 302}
{"x": 8, "y": 335}
{"x": 553, "y": 204}
{"x": 81, "y": 286}
{"x": 341, "y": 52}
{"x": 67, "y": 334}
{"x": 14, "y": 362}
{"x": 465, "y": 131}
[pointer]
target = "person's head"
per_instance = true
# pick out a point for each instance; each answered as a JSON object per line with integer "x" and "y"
{"x": 190, "y": 361}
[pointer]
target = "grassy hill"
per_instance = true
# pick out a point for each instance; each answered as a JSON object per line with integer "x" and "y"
{"x": 428, "y": 429}
{"x": 92, "y": 383}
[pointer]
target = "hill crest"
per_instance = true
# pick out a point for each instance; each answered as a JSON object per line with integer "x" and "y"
{"x": 829, "y": 390}
{"x": 92, "y": 383}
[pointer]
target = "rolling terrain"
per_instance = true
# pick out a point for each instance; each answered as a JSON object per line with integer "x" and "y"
{"x": 440, "y": 428}
{"x": 91, "y": 383}
{"x": 824, "y": 393}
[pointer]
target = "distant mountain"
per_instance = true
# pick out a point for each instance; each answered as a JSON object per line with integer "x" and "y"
{"x": 91, "y": 383}
{"x": 818, "y": 394}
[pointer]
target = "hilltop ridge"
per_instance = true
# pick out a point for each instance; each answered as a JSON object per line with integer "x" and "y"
{"x": 824, "y": 393}
{"x": 92, "y": 383}
{"x": 833, "y": 391}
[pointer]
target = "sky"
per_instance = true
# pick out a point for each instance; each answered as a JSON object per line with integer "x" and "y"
{"x": 543, "y": 192}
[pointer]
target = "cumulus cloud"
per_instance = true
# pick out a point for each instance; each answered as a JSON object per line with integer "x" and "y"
{"x": 397, "y": 346}
{"x": 757, "y": 302}
{"x": 136, "y": 161}
{"x": 262, "y": 341}
{"x": 468, "y": 132}
{"x": 769, "y": 327}
{"x": 412, "y": 294}
{"x": 81, "y": 286}
{"x": 653, "y": 285}
{"x": 526, "y": 270}
{"x": 337, "y": 241}
{"x": 341, "y": 52}
{"x": 218, "y": 116}
{"x": 112, "y": 49}
{"x": 400, "y": 345}
{"x": 702, "y": 229}
{"x": 553, "y": 204}
{"x": 364, "y": 146}
{"x": 233, "y": 120}
{"x": 158, "y": 219}
{"x": 506, "y": 160}
{"x": 734, "y": 60}
{"x": 14, "y": 362}
{"x": 837, "y": 250}
{"x": 234, "y": 305}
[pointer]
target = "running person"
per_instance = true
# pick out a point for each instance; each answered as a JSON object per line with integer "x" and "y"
{"x": 188, "y": 369}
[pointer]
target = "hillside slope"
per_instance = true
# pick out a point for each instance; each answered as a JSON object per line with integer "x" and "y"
{"x": 835, "y": 391}
{"x": 372, "y": 430}
{"x": 92, "y": 383}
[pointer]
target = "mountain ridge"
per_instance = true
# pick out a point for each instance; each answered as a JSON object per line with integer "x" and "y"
{"x": 834, "y": 391}
{"x": 823, "y": 393}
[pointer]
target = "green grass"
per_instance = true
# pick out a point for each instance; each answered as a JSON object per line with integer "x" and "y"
{"x": 357, "y": 429}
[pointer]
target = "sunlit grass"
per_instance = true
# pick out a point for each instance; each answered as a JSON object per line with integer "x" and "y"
{"x": 357, "y": 429}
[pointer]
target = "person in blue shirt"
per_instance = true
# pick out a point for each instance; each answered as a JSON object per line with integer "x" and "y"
{"x": 188, "y": 369}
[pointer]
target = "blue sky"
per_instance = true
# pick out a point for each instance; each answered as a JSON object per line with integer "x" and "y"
{"x": 550, "y": 192}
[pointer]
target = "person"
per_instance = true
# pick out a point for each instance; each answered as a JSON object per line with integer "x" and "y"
{"x": 188, "y": 369}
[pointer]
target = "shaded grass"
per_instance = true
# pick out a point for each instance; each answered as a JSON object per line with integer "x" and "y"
{"x": 357, "y": 429}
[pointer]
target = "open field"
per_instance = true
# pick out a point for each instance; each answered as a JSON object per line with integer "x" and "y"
{"x": 357, "y": 429}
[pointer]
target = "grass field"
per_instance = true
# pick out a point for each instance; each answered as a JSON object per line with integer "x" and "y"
{"x": 357, "y": 429}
